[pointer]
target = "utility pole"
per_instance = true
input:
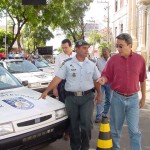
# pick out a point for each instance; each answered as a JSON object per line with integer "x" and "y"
{"x": 108, "y": 20}
{"x": 6, "y": 38}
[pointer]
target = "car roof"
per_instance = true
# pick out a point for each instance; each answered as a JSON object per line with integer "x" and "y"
{"x": 11, "y": 60}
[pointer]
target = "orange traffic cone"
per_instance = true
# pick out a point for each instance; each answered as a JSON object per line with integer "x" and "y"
{"x": 104, "y": 141}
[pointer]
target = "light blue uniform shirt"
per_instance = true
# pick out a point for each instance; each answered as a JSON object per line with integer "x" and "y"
{"x": 78, "y": 77}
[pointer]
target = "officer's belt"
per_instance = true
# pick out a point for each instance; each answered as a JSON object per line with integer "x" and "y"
{"x": 80, "y": 93}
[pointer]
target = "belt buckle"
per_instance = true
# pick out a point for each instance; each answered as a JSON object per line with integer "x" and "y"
{"x": 79, "y": 93}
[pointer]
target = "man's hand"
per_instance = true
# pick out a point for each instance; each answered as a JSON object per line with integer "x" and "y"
{"x": 55, "y": 92}
{"x": 102, "y": 80}
{"x": 43, "y": 95}
{"x": 98, "y": 98}
{"x": 142, "y": 102}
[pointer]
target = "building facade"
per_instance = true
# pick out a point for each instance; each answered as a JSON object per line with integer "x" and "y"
{"x": 133, "y": 17}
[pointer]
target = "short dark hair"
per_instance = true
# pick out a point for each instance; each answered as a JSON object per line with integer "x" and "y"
{"x": 105, "y": 48}
{"x": 66, "y": 41}
{"x": 126, "y": 37}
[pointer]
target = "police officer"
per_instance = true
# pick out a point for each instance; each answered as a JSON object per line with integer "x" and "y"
{"x": 81, "y": 75}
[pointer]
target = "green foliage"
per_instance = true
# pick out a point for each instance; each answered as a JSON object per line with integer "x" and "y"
{"x": 2, "y": 50}
{"x": 70, "y": 18}
{"x": 37, "y": 35}
{"x": 60, "y": 50}
{"x": 67, "y": 14}
{"x": 94, "y": 38}
{"x": 2, "y": 38}
{"x": 104, "y": 44}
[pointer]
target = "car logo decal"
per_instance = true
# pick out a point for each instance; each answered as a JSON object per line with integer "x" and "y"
{"x": 19, "y": 103}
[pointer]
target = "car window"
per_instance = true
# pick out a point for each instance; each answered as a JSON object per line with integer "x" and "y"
{"x": 1, "y": 64}
{"x": 40, "y": 64}
{"x": 7, "y": 81}
{"x": 21, "y": 67}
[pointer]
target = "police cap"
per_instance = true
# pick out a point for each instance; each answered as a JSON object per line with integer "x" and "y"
{"x": 81, "y": 43}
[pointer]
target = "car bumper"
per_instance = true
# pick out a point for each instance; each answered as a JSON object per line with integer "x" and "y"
{"x": 34, "y": 138}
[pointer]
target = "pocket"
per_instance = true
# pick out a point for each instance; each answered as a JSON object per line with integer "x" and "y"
{"x": 89, "y": 75}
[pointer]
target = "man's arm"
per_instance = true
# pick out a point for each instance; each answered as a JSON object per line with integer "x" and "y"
{"x": 56, "y": 67}
{"x": 102, "y": 80}
{"x": 56, "y": 80}
{"x": 143, "y": 92}
{"x": 98, "y": 90}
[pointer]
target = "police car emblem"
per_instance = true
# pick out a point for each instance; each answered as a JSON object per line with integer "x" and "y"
{"x": 19, "y": 103}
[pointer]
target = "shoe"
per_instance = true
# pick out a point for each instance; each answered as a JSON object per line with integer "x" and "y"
{"x": 66, "y": 136}
{"x": 98, "y": 121}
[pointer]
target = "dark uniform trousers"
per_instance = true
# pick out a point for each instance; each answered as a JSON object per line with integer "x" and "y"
{"x": 80, "y": 112}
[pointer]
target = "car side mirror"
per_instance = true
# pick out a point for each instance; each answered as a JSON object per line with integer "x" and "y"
{"x": 25, "y": 83}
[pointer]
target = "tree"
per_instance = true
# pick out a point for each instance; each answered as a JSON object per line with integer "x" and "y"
{"x": 67, "y": 14}
{"x": 19, "y": 15}
{"x": 71, "y": 17}
{"x": 37, "y": 35}
{"x": 2, "y": 39}
{"x": 95, "y": 38}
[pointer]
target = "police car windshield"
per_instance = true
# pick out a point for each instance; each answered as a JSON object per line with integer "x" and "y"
{"x": 40, "y": 64}
{"x": 21, "y": 67}
{"x": 8, "y": 81}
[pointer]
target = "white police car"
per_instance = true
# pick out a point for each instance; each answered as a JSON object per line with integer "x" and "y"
{"x": 40, "y": 63}
{"x": 26, "y": 121}
{"x": 24, "y": 70}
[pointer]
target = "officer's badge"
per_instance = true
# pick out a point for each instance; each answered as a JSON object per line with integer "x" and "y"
{"x": 74, "y": 75}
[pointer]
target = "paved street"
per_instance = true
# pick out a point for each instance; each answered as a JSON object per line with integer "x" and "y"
{"x": 144, "y": 125}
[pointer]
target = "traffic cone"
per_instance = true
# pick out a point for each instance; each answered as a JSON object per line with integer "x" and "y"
{"x": 104, "y": 141}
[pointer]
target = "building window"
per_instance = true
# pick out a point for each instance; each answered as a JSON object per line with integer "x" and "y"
{"x": 115, "y": 32}
{"x": 121, "y": 28}
{"x": 121, "y": 3}
{"x": 116, "y": 5}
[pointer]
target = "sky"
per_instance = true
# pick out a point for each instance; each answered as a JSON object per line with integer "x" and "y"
{"x": 96, "y": 11}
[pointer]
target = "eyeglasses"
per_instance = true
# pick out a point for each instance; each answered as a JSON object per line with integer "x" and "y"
{"x": 119, "y": 46}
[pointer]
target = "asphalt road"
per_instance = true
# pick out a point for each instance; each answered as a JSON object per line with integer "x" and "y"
{"x": 125, "y": 145}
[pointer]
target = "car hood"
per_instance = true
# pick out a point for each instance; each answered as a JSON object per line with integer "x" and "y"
{"x": 48, "y": 70}
{"x": 22, "y": 103}
{"x": 32, "y": 77}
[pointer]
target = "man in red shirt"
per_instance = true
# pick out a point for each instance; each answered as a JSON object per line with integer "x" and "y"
{"x": 125, "y": 71}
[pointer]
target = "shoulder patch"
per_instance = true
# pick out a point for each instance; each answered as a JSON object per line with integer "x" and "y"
{"x": 65, "y": 61}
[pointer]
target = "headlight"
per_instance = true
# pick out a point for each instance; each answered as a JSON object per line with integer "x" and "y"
{"x": 6, "y": 128}
{"x": 60, "y": 113}
{"x": 31, "y": 85}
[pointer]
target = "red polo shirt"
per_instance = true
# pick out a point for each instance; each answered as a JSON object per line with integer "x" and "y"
{"x": 124, "y": 74}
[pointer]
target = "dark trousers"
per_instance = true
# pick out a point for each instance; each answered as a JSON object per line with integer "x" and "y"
{"x": 80, "y": 111}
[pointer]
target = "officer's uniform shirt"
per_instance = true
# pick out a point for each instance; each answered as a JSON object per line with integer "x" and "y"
{"x": 79, "y": 76}
{"x": 60, "y": 59}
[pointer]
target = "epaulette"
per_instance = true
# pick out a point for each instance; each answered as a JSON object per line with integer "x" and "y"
{"x": 92, "y": 60}
{"x": 65, "y": 61}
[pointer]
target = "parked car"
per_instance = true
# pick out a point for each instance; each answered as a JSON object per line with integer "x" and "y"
{"x": 24, "y": 70}
{"x": 2, "y": 55}
{"x": 25, "y": 120}
{"x": 43, "y": 66}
